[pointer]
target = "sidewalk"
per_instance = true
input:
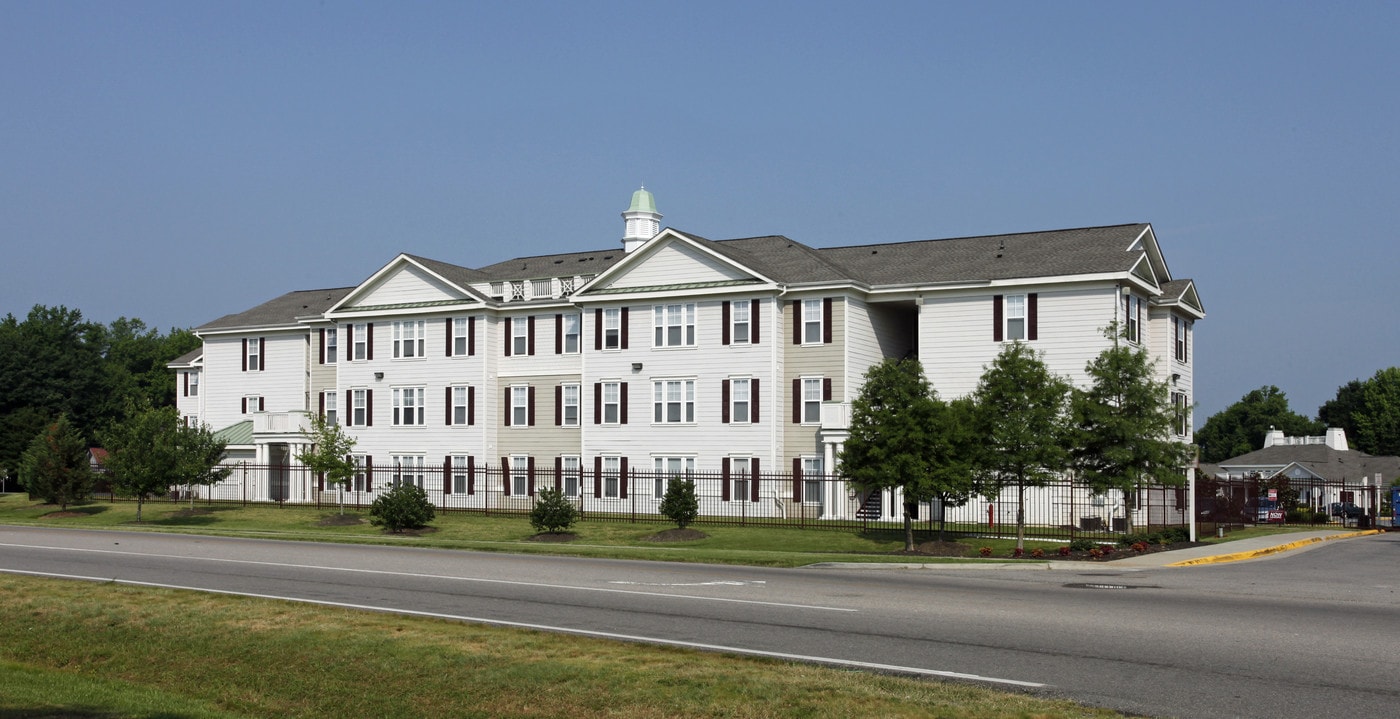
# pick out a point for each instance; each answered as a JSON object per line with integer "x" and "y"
{"x": 1235, "y": 551}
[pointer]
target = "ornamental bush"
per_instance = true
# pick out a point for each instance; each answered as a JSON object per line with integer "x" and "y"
{"x": 553, "y": 512}
{"x": 679, "y": 504}
{"x": 403, "y": 507}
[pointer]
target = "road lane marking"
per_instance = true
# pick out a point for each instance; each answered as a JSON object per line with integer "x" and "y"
{"x": 830, "y": 661}
{"x": 479, "y": 580}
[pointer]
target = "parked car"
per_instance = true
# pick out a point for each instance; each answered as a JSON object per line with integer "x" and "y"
{"x": 1347, "y": 510}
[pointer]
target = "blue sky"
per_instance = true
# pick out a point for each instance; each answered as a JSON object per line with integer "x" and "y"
{"x": 181, "y": 161}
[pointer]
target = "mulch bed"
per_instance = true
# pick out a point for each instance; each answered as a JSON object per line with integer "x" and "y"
{"x": 63, "y": 515}
{"x": 677, "y": 535}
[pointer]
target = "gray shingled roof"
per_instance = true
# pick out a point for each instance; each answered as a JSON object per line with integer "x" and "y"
{"x": 186, "y": 358}
{"x": 283, "y": 310}
{"x": 1083, "y": 250}
{"x": 567, "y": 264}
{"x": 1329, "y": 463}
{"x": 456, "y": 274}
{"x": 783, "y": 260}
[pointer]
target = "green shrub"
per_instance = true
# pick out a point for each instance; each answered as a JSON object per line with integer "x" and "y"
{"x": 1081, "y": 544}
{"x": 679, "y": 504}
{"x": 1297, "y": 516}
{"x": 403, "y": 507}
{"x": 1320, "y": 518}
{"x": 553, "y": 512}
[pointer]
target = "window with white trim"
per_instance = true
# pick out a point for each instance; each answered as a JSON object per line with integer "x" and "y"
{"x": 812, "y": 472}
{"x": 612, "y": 328}
{"x": 519, "y": 475}
{"x": 408, "y": 338}
{"x": 739, "y": 399}
{"x": 332, "y": 346}
{"x": 812, "y": 322}
{"x": 569, "y": 471}
{"x": 519, "y": 406}
{"x": 459, "y": 473}
{"x": 811, "y": 400}
{"x": 1015, "y": 317}
{"x": 739, "y": 475}
{"x": 460, "y": 417}
{"x": 194, "y": 383}
{"x": 520, "y": 336}
{"x": 252, "y": 403}
{"x": 459, "y": 336}
{"x": 330, "y": 399}
{"x": 1181, "y": 410}
{"x": 612, "y": 405}
{"x": 573, "y": 330}
{"x": 408, "y": 406}
{"x": 664, "y": 469}
{"x": 1132, "y": 311}
{"x": 408, "y": 469}
{"x": 673, "y": 401}
{"x": 360, "y": 340}
{"x": 357, "y": 483}
{"x": 674, "y": 325}
{"x": 612, "y": 471}
{"x": 1179, "y": 325}
{"x": 254, "y": 353}
{"x": 359, "y": 409}
{"x": 741, "y": 312}
{"x": 569, "y": 413}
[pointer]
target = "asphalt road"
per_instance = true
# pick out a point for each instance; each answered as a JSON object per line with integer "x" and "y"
{"x": 1307, "y": 634}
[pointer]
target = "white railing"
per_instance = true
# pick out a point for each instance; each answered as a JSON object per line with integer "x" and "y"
{"x": 281, "y": 423}
{"x": 836, "y": 415}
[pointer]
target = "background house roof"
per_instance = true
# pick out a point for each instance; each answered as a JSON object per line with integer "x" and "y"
{"x": 1322, "y": 460}
{"x": 284, "y": 310}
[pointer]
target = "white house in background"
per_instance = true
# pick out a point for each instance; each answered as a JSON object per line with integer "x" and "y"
{"x": 671, "y": 353}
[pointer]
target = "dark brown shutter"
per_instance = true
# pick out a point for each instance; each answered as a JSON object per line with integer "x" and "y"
{"x": 505, "y": 403}
{"x": 753, "y": 400}
{"x": 558, "y": 405}
{"x": 186, "y": 375}
{"x": 558, "y": 474}
{"x": 826, "y": 320}
{"x": 262, "y": 404}
{"x": 471, "y": 474}
{"x": 447, "y": 470}
{"x": 530, "y": 406}
{"x": 448, "y": 405}
{"x": 724, "y": 327}
{"x": 724, "y": 401}
{"x": 1185, "y": 339}
{"x": 1032, "y": 312}
{"x": 505, "y": 475}
{"x": 996, "y": 318}
{"x": 349, "y": 409}
{"x": 530, "y": 336}
{"x": 625, "y": 324}
{"x": 598, "y": 329}
{"x": 262, "y": 353}
{"x": 244, "y": 406}
{"x": 558, "y": 334}
{"x": 826, "y": 389}
{"x": 753, "y": 484}
{"x": 369, "y": 473}
{"x": 622, "y": 403}
{"x": 448, "y": 324}
{"x": 797, "y": 479}
{"x": 622, "y": 478}
{"x": 597, "y": 403}
{"x": 753, "y": 321}
{"x": 471, "y": 405}
{"x": 797, "y": 401}
{"x": 724, "y": 479}
{"x": 369, "y": 408}
{"x": 245, "y": 354}
{"x": 797, "y": 322}
{"x": 510, "y": 339}
{"x": 471, "y": 335}
{"x": 530, "y": 476}
{"x": 598, "y": 476}
{"x": 322, "y": 332}
{"x": 369, "y": 340}
{"x": 322, "y": 411}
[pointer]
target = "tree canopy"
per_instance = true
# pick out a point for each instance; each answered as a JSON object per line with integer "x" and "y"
{"x": 152, "y": 451}
{"x": 1370, "y": 412}
{"x": 55, "y": 467}
{"x": 1240, "y": 428}
{"x": 329, "y": 454}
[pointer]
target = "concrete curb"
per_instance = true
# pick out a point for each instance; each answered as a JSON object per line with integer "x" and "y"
{"x": 1256, "y": 553}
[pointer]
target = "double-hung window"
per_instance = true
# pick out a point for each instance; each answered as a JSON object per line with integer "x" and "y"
{"x": 408, "y": 406}
{"x": 328, "y": 400}
{"x": 254, "y": 354}
{"x": 460, "y": 329}
{"x": 519, "y": 406}
{"x": 1181, "y": 413}
{"x": 741, "y": 312}
{"x": 569, "y": 405}
{"x": 519, "y": 475}
{"x": 1132, "y": 318}
{"x": 812, "y": 322}
{"x": 520, "y": 336}
{"x": 811, "y": 400}
{"x": 408, "y": 338}
{"x": 360, "y": 480}
{"x": 673, "y": 401}
{"x": 612, "y": 471}
{"x": 1179, "y": 327}
{"x": 612, "y": 402}
{"x": 739, "y": 474}
{"x": 1015, "y": 317}
{"x": 461, "y": 415}
{"x": 193, "y": 378}
{"x": 812, "y": 473}
{"x": 459, "y": 473}
{"x": 674, "y": 325}
{"x": 359, "y": 407}
{"x": 612, "y": 328}
{"x": 408, "y": 469}
{"x": 569, "y": 472}
{"x": 740, "y": 400}
{"x": 332, "y": 346}
{"x": 360, "y": 340}
{"x": 664, "y": 469}
{"x": 572, "y": 331}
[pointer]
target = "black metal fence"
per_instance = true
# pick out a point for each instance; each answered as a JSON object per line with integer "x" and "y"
{"x": 1254, "y": 499}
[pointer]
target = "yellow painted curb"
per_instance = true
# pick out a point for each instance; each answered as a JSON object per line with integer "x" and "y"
{"x": 1256, "y": 553}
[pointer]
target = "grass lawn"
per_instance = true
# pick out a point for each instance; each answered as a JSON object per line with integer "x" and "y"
{"x": 78, "y": 649}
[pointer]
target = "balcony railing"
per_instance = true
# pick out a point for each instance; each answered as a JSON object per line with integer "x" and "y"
{"x": 281, "y": 423}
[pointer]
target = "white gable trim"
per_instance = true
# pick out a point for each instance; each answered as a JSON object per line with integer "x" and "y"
{"x": 650, "y": 247}
{"x": 347, "y": 305}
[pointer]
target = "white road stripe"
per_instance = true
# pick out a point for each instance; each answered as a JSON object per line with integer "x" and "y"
{"x": 582, "y": 632}
{"x": 479, "y": 580}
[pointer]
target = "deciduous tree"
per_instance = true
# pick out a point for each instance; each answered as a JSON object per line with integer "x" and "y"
{"x": 329, "y": 454}
{"x": 152, "y": 451}
{"x": 1240, "y": 428}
